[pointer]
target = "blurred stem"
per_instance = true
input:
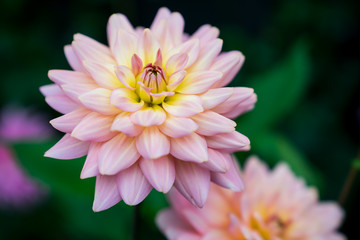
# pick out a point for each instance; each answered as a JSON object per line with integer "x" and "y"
{"x": 136, "y": 223}
{"x": 349, "y": 181}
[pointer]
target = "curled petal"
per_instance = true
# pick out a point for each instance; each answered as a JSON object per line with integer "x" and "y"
{"x": 230, "y": 179}
{"x": 175, "y": 79}
{"x": 158, "y": 98}
{"x": 159, "y": 172}
{"x": 191, "y": 148}
{"x": 132, "y": 185}
{"x": 126, "y": 100}
{"x": 122, "y": 123}
{"x": 126, "y": 76}
{"x": 103, "y": 74}
{"x": 152, "y": 143}
{"x": 136, "y": 64}
{"x": 229, "y": 142}
{"x": 198, "y": 82}
{"x": 242, "y": 107}
{"x": 99, "y": 100}
{"x": 190, "y": 47}
{"x": 193, "y": 182}
{"x": 62, "y": 77}
{"x": 68, "y": 122}
{"x": 181, "y": 105}
{"x": 217, "y": 162}
{"x": 68, "y": 148}
{"x": 91, "y": 168}
{"x": 147, "y": 47}
{"x": 176, "y": 62}
{"x": 215, "y": 96}
{"x": 117, "y": 154}
{"x": 211, "y": 123}
{"x": 106, "y": 193}
{"x": 239, "y": 94}
{"x": 94, "y": 127}
{"x": 149, "y": 116}
{"x": 178, "y": 127}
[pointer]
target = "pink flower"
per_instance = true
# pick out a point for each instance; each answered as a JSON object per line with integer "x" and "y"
{"x": 275, "y": 205}
{"x": 151, "y": 110}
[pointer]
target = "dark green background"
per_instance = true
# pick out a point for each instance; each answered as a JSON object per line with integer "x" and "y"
{"x": 302, "y": 59}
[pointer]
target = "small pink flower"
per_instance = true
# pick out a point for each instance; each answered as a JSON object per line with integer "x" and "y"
{"x": 274, "y": 205}
{"x": 151, "y": 110}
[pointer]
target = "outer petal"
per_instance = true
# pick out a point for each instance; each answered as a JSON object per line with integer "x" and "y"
{"x": 122, "y": 123}
{"x": 159, "y": 172}
{"x": 231, "y": 179}
{"x": 132, "y": 185}
{"x": 68, "y": 122}
{"x": 68, "y": 148}
{"x": 149, "y": 116}
{"x": 106, "y": 193}
{"x": 74, "y": 91}
{"x": 126, "y": 100}
{"x": 56, "y": 98}
{"x": 62, "y": 77}
{"x": 94, "y": 127}
{"x": 124, "y": 47}
{"x": 152, "y": 143}
{"x": 207, "y": 55}
{"x": 73, "y": 59}
{"x": 191, "y": 148}
{"x": 99, "y": 101}
{"x": 230, "y": 142}
{"x": 103, "y": 74}
{"x": 218, "y": 162}
{"x": 117, "y": 22}
{"x": 214, "y": 97}
{"x": 198, "y": 82}
{"x": 242, "y": 107}
{"x": 183, "y": 105}
{"x": 178, "y": 127}
{"x": 163, "y": 13}
{"x": 193, "y": 182}
{"x": 190, "y": 47}
{"x": 90, "y": 168}
{"x": 117, "y": 154}
{"x": 240, "y": 94}
{"x": 176, "y": 62}
{"x": 206, "y": 33}
{"x": 211, "y": 123}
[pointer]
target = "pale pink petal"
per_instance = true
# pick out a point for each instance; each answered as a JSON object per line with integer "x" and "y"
{"x": 51, "y": 90}
{"x": 178, "y": 127}
{"x": 217, "y": 161}
{"x": 191, "y": 148}
{"x": 230, "y": 142}
{"x": 136, "y": 65}
{"x": 126, "y": 76}
{"x": 73, "y": 59}
{"x": 206, "y": 33}
{"x": 159, "y": 172}
{"x": 68, "y": 122}
{"x": 198, "y": 82}
{"x": 62, "y": 77}
{"x": 193, "y": 182}
{"x": 214, "y": 97}
{"x": 147, "y": 47}
{"x": 106, "y": 193}
{"x": 74, "y": 91}
{"x": 158, "y": 98}
{"x": 124, "y": 47}
{"x": 117, "y": 22}
{"x": 244, "y": 106}
{"x": 176, "y": 62}
{"x": 103, "y": 74}
{"x": 61, "y": 103}
{"x": 117, "y": 154}
{"x": 126, "y": 100}
{"x": 175, "y": 79}
{"x": 94, "y": 127}
{"x": 132, "y": 185}
{"x": 152, "y": 144}
{"x": 181, "y": 105}
{"x": 190, "y": 47}
{"x": 176, "y": 26}
{"x": 231, "y": 179}
{"x": 122, "y": 123}
{"x": 207, "y": 55}
{"x": 211, "y": 123}
{"x": 162, "y": 33}
{"x": 229, "y": 64}
{"x": 161, "y": 14}
{"x": 68, "y": 148}
{"x": 148, "y": 116}
{"x": 239, "y": 95}
{"x": 91, "y": 168}
{"x": 98, "y": 100}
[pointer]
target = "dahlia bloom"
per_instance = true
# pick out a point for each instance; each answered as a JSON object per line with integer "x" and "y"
{"x": 150, "y": 110}
{"x": 275, "y": 205}
{"x": 17, "y": 189}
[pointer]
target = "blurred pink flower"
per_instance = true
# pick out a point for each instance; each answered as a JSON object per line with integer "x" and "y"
{"x": 274, "y": 205}
{"x": 151, "y": 110}
{"x": 17, "y": 189}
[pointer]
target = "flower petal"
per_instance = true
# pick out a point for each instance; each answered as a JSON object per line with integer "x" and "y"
{"x": 91, "y": 168}
{"x": 122, "y": 123}
{"x": 94, "y": 127}
{"x": 62, "y": 77}
{"x": 148, "y": 116}
{"x": 176, "y": 62}
{"x": 117, "y": 154}
{"x": 152, "y": 144}
{"x": 124, "y": 47}
{"x": 74, "y": 91}
{"x": 211, "y": 123}
{"x": 190, "y": 47}
{"x": 68, "y": 122}
{"x": 230, "y": 179}
{"x": 175, "y": 79}
{"x": 217, "y": 161}
{"x": 178, "y": 127}
{"x": 103, "y": 74}
{"x": 181, "y": 105}
{"x": 73, "y": 59}
{"x": 206, "y": 33}
{"x": 159, "y": 172}
{"x": 198, "y": 82}
{"x": 242, "y": 107}
{"x": 125, "y": 76}
{"x": 99, "y": 100}
{"x": 147, "y": 47}
{"x": 117, "y": 22}
{"x": 126, "y": 100}
{"x": 239, "y": 94}
{"x": 132, "y": 185}
{"x": 68, "y": 148}
{"x": 215, "y": 96}
{"x": 193, "y": 182}
{"x": 61, "y": 103}
{"x": 207, "y": 55}
{"x": 229, "y": 142}
{"x": 106, "y": 193}
{"x": 51, "y": 90}
{"x": 191, "y": 148}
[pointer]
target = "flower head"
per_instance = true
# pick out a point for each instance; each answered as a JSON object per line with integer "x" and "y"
{"x": 275, "y": 205}
{"x": 150, "y": 110}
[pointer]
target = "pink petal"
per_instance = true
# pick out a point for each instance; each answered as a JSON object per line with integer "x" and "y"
{"x": 61, "y": 103}
{"x": 124, "y": 47}
{"x": 176, "y": 62}
{"x": 122, "y": 123}
{"x": 239, "y": 95}
{"x": 117, "y": 22}
{"x": 51, "y": 90}
{"x": 175, "y": 79}
{"x": 198, "y": 82}
{"x": 176, "y": 24}
{"x": 211, "y": 123}
{"x": 106, "y": 193}
{"x": 117, "y": 154}
{"x": 217, "y": 162}
{"x": 126, "y": 100}
{"x": 68, "y": 148}
{"x": 149, "y": 116}
{"x": 99, "y": 100}
{"x": 147, "y": 47}
{"x": 161, "y": 14}
{"x": 159, "y": 172}
{"x": 178, "y": 127}
{"x": 94, "y": 127}
{"x": 245, "y": 106}
{"x": 136, "y": 65}
{"x": 152, "y": 144}
{"x": 191, "y": 148}
{"x": 73, "y": 59}
{"x": 126, "y": 76}
{"x": 206, "y": 33}
{"x": 90, "y": 168}
{"x": 207, "y": 55}
{"x": 230, "y": 142}
{"x": 132, "y": 185}
{"x": 214, "y": 97}
{"x": 103, "y": 74}
{"x": 62, "y": 77}
{"x": 231, "y": 179}
{"x": 190, "y": 47}
{"x": 193, "y": 182}
{"x": 68, "y": 122}
{"x": 181, "y": 105}
{"x": 74, "y": 91}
